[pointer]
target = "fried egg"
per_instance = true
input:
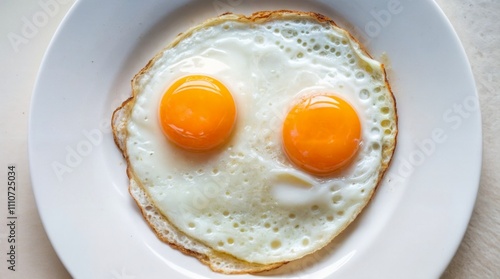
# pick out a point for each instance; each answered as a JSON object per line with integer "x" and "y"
{"x": 261, "y": 137}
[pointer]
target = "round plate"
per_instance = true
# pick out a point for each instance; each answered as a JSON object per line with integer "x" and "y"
{"x": 412, "y": 227}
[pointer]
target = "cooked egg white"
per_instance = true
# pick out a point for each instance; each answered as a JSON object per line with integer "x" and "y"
{"x": 245, "y": 193}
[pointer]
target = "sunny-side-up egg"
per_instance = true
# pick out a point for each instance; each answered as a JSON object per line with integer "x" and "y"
{"x": 261, "y": 139}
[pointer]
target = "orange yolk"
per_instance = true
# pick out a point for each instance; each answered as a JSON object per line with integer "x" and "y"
{"x": 321, "y": 133}
{"x": 197, "y": 113}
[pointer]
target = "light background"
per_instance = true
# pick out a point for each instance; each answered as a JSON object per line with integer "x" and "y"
{"x": 476, "y": 22}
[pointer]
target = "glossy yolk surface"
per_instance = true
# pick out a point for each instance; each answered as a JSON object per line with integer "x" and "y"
{"x": 197, "y": 113}
{"x": 321, "y": 133}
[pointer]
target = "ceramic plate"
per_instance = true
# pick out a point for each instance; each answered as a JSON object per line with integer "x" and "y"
{"x": 412, "y": 227}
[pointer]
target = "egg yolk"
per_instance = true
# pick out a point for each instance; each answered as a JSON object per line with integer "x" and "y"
{"x": 321, "y": 133}
{"x": 197, "y": 113}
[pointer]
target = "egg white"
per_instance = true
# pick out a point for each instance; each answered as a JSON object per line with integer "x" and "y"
{"x": 246, "y": 198}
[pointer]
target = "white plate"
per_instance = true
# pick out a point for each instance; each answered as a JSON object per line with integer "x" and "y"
{"x": 412, "y": 227}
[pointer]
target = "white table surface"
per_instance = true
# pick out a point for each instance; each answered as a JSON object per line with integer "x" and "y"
{"x": 476, "y": 22}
